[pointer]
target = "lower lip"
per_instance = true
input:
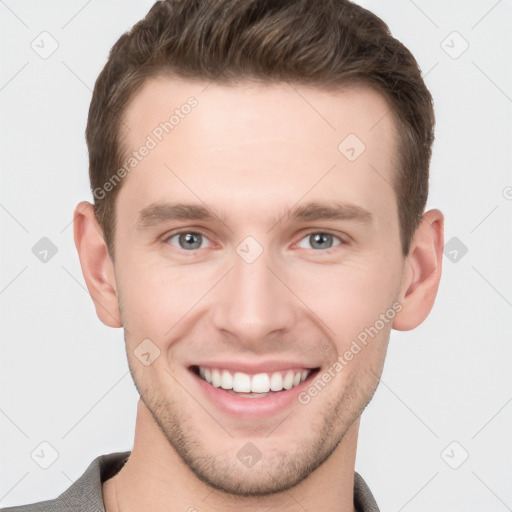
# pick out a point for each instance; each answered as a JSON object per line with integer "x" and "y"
{"x": 252, "y": 408}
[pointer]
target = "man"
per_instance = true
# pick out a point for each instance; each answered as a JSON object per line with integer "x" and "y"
{"x": 260, "y": 173}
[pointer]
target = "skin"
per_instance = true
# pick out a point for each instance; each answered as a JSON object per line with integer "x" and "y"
{"x": 250, "y": 153}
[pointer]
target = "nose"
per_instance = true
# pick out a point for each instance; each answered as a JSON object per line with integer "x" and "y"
{"x": 254, "y": 303}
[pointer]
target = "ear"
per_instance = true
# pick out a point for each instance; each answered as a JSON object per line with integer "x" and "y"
{"x": 422, "y": 272}
{"x": 97, "y": 267}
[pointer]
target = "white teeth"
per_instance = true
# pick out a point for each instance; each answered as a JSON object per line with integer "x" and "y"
{"x": 259, "y": 383}
{"x": 276, "y": 381}
{"x": 288, "y": 380}
{"x": 241, "y": 382}
{"x": 226, "y": 380}
{"x": 216, "y": 378}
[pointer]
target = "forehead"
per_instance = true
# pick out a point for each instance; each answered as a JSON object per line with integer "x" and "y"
{"x": 249, "y": 104}
{"x": 249, "y": 144}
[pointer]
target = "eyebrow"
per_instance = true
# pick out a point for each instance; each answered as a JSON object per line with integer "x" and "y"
{"x": 158, "y": 213}
{"x": 328, "y": 211}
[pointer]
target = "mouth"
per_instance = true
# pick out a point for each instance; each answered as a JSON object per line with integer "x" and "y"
{"x": 253, "y": 385}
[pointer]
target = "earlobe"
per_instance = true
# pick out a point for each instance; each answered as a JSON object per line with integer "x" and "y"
{"x": 97, "y": 267}
{"x": 422, "y": 272}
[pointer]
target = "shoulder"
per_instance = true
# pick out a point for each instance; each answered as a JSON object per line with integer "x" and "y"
{"x": 84, "y": 495}
{"x": 363, "y": 497}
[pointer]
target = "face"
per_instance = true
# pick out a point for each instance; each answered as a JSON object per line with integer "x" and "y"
{"x": 255, "y": 245}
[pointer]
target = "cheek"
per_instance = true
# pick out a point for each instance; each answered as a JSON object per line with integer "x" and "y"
{"x": 156, "y": 297}
{"x": 348, "y": 298}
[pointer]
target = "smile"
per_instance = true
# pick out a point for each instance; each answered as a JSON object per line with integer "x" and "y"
{"x": 253, "y": 394}
{"x": 241, "y": 382}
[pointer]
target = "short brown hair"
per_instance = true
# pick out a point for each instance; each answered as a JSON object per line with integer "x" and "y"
{"x": 324, "y": 43}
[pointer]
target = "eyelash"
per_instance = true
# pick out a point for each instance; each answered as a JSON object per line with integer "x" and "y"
{"x": 309, "y": 234}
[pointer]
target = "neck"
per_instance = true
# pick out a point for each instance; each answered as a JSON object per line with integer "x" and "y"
{"x": 156, "y": 479}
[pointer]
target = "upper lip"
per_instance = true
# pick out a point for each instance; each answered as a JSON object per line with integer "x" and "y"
{"x": 254, "y": 368}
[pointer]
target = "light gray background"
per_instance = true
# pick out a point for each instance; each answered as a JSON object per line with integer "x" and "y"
{"x": 64, "y": 376}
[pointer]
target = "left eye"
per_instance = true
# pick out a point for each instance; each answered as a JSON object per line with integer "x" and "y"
{"x": 188, "y": 240}
{"x": 319, "y": 241}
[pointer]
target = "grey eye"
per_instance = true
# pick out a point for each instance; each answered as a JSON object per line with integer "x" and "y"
{"x": 188, "y": 241}
{"x": 319, "y": 241}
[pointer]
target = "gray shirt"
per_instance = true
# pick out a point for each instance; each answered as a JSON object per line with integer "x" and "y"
{"x": 85, "y": 494}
